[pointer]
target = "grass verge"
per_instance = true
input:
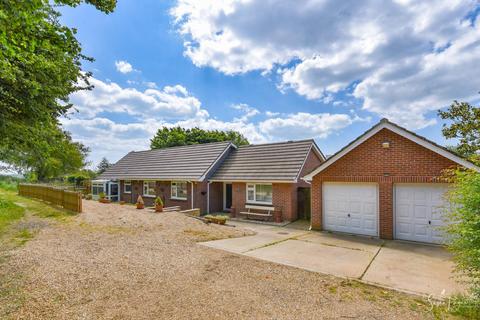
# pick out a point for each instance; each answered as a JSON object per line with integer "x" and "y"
{"x": 9, "y": 212}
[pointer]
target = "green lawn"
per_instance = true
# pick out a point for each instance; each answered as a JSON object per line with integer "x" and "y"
{"x": 9, "y": 212}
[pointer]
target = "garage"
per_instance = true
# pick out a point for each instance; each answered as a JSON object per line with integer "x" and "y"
{"x": 351, "y": 208}
{"x": 419, "y": 212}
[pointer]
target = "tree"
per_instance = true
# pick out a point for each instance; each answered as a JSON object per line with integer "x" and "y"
{"x": 40, "y": 66}
{"x": 464, "y": 231}
{"x": 465, "y": 126}
{"x": 48, "y": 152}
{"x": 103, "y": 165}
{"x": 177, "y": 136}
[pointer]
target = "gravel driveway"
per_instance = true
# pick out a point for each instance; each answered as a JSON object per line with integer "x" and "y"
{"x": 116, "y": 262}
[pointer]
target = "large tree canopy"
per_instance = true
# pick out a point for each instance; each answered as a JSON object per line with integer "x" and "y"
{"x": 47, "y": 152}
{"x": 177, "y": 136}
{"x": 464, "y": 125}
{"x": 40, "y": 66}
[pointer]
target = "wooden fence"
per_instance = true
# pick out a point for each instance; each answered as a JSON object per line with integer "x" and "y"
{"x": 67, "y": 199}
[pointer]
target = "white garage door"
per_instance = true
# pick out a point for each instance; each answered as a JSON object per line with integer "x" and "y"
{"x": 419, "y": 210}
{"x": 350, "y": 208}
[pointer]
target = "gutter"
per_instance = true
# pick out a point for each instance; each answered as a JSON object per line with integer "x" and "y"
{"x": 208, "y": 197}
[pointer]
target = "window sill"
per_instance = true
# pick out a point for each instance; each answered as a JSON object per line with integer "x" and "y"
{"x": 259, "y": 203}
{"x": 180, "y": 199}
{"x": 148, "y": 196}
{"x": 126, "y": 192}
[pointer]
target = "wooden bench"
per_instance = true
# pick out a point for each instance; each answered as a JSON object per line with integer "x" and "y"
{"x": 170, "y": 209}
{"x": 258, "y": 212}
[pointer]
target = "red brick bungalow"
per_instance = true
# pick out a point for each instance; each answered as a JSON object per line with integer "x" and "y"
{"x": 217, "y": 177}
{"x": 386, "y": 183}
{"x": 179, "y": 175}
{"x": 266, "y": 178}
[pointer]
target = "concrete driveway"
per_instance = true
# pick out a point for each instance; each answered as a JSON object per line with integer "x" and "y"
{"x": 409, "y": 267}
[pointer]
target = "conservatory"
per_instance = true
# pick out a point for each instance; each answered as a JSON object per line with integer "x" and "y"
{"x": 108, "y": 187}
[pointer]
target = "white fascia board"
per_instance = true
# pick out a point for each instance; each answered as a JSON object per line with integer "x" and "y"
{"x": 401, "y": 132}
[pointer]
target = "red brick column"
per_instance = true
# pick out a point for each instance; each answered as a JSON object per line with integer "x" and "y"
{"x": 385, "y": 198}
{"x": 316, "y": 203}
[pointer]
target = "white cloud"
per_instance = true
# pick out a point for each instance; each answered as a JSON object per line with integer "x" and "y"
{"x": 140, "y": 114}
{"x": 248, "y": 112}
{"x": 402, "y": 58}
{"x": 305, "y": 125}
{"x": 170, "y": 102}
{"x": 123, "y": 66}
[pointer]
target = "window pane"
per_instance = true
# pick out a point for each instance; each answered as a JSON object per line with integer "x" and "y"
{"x": 264, "y": 193}
{"x": 128, "y": 186}
{"x": 251, "y": 195}
{"x": 149, "y": 188}
{"x": 182, "y": 190}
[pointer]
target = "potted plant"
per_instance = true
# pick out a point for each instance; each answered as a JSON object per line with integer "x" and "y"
{"x": 102, "y": 198}
{"x": 158, "y": 204}
{"x": 140, "y": 203}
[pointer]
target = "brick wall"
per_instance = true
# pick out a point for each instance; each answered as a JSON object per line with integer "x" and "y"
{"x": 312, "y": 162}
{"x": 404, "y": 162}
{"x": 284, "y": 195}
{"x": 216, "y": 197}
{"x": 238, "y": 196}
{"x": 163, "y": 190}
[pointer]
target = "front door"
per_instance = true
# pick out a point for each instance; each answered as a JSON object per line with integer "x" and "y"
{"x": 113, "y": 191}
{"x": 228, "y": 196}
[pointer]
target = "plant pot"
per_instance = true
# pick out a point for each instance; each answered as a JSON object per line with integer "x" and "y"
{"x": 122, "y": 203}
{"x": 104, "y": 200}
{"x": 158, "y": 208}
{"x": 140, "y": 206}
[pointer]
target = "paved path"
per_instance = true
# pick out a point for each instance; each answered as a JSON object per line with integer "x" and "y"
{"x": 409, "y": 267}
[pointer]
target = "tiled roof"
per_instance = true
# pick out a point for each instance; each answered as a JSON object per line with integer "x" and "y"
{"x": 193, "y": 163}
{"x": 265, "y": 162}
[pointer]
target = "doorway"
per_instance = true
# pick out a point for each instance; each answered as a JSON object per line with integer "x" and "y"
{"x": 303, "y": 203}
{"x": 227, "y": 196}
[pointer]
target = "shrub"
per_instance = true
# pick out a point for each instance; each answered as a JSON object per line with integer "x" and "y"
{"x": 88, "y": 196}
{"x": 140, "y": 200}
{"x": 464, "y": 229}
{"x": 158, "y": 201}
{"x": 219, "y": 218}
{"x": 102, "y": 195}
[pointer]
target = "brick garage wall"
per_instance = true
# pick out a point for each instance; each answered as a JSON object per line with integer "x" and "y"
{"x": 404, "y": 162}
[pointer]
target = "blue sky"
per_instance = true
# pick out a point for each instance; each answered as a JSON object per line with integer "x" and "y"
{"x": 271, "y": 70}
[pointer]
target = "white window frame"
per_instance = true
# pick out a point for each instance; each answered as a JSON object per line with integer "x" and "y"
{"x": 125, "y": 183}
{"x": 253, "y": 186}
{"x": 145, "y": 188}
{"x": 174, "y": 190}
